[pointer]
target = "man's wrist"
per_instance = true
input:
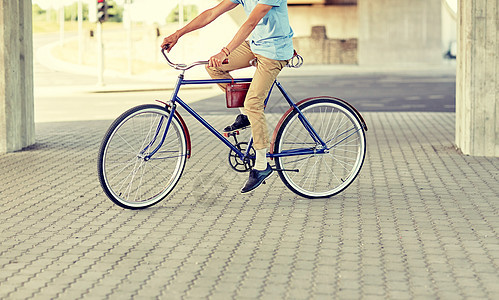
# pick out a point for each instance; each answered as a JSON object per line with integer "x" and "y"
{"x": 225, "y": 51}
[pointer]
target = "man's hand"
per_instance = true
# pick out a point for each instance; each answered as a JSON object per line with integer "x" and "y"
{"x": 217, "y": 59}
{"x": 170, "y": 41}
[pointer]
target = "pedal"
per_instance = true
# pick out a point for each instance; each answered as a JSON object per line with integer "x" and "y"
{"x": 232, "y": 133}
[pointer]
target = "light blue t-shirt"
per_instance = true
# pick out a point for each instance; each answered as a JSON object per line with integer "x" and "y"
{"x": 272, "y": 37}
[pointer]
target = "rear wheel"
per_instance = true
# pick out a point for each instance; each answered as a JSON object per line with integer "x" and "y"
{"x": 129, "y": 176}
{"x": 327, "y": 174}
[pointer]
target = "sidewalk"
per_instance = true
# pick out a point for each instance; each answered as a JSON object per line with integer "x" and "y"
{"x": 421, "y": 221}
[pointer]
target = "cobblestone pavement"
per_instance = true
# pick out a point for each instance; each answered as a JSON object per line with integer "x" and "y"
{"x": 421, "y": 221}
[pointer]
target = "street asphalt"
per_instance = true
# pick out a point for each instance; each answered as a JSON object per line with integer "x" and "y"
{"x": 420, "y": 222}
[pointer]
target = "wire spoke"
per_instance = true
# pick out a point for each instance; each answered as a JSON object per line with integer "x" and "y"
{"x": 321, "y": 174}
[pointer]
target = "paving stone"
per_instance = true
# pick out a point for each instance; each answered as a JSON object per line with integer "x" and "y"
{"x": 419, "y": 222}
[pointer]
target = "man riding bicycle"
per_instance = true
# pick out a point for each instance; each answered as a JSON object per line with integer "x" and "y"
{"x": 271, "y": 45}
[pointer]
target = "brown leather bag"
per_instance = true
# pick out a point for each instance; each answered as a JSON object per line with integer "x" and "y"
{"x": 235, "y": 94}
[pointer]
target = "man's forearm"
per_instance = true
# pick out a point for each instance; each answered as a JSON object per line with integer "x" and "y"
{"x": 242, "y": 34}
{"x": 198, "y": 22}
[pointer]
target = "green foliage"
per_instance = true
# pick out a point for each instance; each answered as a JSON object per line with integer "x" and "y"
{"x": 190, "y": 12}
{"x": 116, "y": 12}
{"x": 71, "y": 12}
{"x": 37, "y": 10}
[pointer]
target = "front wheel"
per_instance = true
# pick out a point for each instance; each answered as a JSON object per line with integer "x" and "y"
{"x": 129, "y": 175}
{"x": 327, "y": 173}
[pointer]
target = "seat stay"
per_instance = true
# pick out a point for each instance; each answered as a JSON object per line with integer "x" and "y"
{"x": 313, "y": 133}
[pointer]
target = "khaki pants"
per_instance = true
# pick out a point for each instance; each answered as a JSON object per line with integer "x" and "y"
{"x": 265, "y": 74}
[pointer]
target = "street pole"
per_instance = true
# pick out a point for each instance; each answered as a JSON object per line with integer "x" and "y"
{"x": 100, "y": 56}
{"x": 80, "y": 32}
{"x": 180, "y": 13}
{"x": 61, "y": 25}
{"x": 127, "y": 22}
{"x": 181, "y": 23}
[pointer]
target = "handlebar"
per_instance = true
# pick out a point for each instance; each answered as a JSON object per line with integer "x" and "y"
{"x": 295, "y": 62}
{"x": 184, "y": 67}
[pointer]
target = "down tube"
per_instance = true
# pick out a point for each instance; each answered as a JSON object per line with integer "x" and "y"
{"x": 208, "y": 126}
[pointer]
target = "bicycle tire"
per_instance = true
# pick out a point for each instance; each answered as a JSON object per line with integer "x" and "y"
{"x": 127, "y": 177}
{"x": 321, "y": 175}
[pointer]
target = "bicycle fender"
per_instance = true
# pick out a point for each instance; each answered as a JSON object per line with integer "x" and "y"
{"x": 286, "y": 114}
{"x": 184, "y": 127}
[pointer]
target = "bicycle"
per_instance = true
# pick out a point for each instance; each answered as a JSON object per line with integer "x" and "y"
{"x": 318, "y": 146}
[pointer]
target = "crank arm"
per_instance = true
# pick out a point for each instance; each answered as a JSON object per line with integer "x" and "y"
{"x": 286, "y": 170}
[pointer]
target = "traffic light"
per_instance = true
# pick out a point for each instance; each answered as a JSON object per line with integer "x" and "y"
{"x": 102, "y": 13}
{"x": 101, "y": 10}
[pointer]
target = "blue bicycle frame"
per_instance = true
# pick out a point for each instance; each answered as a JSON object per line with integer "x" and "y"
{"x": 175, "y": 99}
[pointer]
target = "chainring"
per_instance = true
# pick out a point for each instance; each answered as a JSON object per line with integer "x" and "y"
{"x": 239, "y": 164}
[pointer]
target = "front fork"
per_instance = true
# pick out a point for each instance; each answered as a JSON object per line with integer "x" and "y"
{"x": 156, "y": 134}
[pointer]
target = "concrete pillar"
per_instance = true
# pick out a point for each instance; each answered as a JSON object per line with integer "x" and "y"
{"x": 477, "y": 94}
{"x": 395, "y": 32}
{"x": 17, "y": 126}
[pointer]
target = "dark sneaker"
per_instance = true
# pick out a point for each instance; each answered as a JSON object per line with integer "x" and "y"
{"x": 241, "y": 122}
{"x": 256, "y": 178}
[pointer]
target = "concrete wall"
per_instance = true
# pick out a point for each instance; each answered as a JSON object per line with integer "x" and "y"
{"x": 318, "y": 48}
{"x": 341, "y": 21}
{"x": 400, "y": 32}
{"x": 477, "y": 95}
{"x": 17, "y": 129}
{"x": 323, "y": 34}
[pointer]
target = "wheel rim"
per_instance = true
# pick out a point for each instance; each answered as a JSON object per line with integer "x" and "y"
{"x": 130, "y": 178}
{"x": 323, "y": 175}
